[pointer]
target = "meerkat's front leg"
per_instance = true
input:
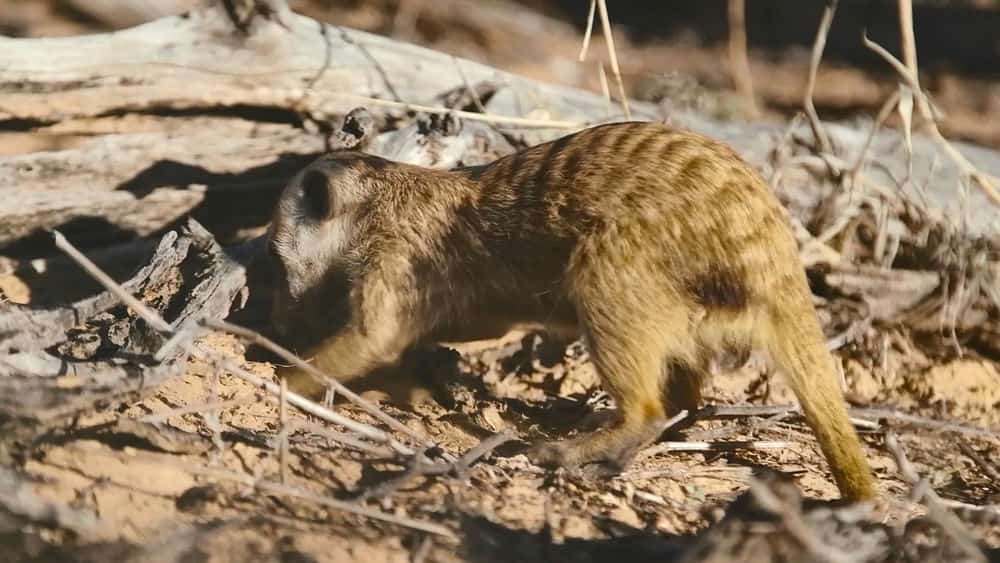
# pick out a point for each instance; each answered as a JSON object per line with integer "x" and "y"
{"x": 375, "y": 337}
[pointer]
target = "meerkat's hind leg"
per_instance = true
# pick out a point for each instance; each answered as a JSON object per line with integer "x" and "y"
{"x": 682, "y": 385}
{"x": 683, "y": 382}
{"x": 631, "y": 372}
{"x": 606, "y": 452}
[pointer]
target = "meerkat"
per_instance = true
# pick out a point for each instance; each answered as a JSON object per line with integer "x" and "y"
{"x": 658, "y": 245}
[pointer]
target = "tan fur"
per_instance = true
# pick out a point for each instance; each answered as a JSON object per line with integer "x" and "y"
{"x": 659, "y": 245}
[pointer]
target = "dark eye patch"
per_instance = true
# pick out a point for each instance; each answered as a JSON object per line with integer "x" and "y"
{"x": 316, "y": 197}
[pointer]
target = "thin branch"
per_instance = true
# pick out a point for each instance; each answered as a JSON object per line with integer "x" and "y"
{"x": 733, "y": 473}
{"x": 923, "y": 106}
{"x": 353, "y": 508}
{"x": 160, "y": 417}
{"x": 468, "y": 86}
{"x": 675, "y": 420}
{"x": 602, "y": 6}
{"x": 483, "y": 448}
{"x": 423, "y": 550}
{"x": 988, "y": 468}
{"x": 283, "y": 431}
{"x": 817, "y": 55}
{"x": 948, "y": 522}
{"x": 344, "y": 439}
{"x": 794, "y": 523}
{"x": 664, "y": 447}
{"x": 419, "y": 467}
{"x": 861, "y": 416}
{"x": 923, "y": 422}
{"x": 907, "y": 40}
{"x": 739, "y": 64}
{"x": 187, "y": 332}
{"x": 313, "y": 428}
{"x": 728, "y": 411}
{"x": 602, "y": 75}
{"x": 470, "y": 115}
{"x": 883, "y": 114}
{"x": 211, "y": 417}
{"x": 755, "y": 425}
{"x": 301, "y": 402}
{"x": 369, "y": 407}
{"x": 589, "y": 31}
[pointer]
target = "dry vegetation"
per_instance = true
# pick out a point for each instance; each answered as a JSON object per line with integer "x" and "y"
{"x": 155, "y": 431}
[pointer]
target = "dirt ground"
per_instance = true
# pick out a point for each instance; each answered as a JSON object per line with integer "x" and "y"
{"x": 166, "y": 492}
{"x": 190, "y": 490}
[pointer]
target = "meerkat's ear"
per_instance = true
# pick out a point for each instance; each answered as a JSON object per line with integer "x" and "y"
{"x": 317, "y": 196}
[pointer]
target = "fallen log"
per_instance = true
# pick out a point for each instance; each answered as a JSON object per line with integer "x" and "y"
{"x": 60, "y": 361}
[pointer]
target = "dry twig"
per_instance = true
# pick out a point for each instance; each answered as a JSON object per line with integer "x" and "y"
{"x": 796, "y": 525}
{"x": 674, "y": 420}
{"x": 419, "y": 467}
{"x": 739, "y": 65}
{"x": 353, "y": 508}
{"x": 140, "y": 308}
{"x": 664, "y": 447}
{"x": 817, "y": 55}
{"x": 283, "y": 431}
{"x": 602, "y": 75}
{"x": 344, "y": 439}
{"x": 160, "y": 417}
{"x": 588, "y": 32}
{"x": 423, "y": 550}
{"x": 988, "y": 468}
{"x": 883, "y": 114}
{"x": 930, "y": 499}
{"x": 911, "y": 79}
{"x": 923, "y": 421}
{"x": 483, "y": 448}
{"x": 211, "y": 417}
{"x": 302, "y": 403}
{"x": 860, "y": 416}
{"x": 369, "y": 407}
{"x": 728, "y": 430}
{"x": 602, "y": 9}
{"x": 468, "y": 87}
{"x": 499, "y": 120}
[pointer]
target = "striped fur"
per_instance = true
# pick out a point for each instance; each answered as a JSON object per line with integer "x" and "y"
{"x": 659, "y": 245}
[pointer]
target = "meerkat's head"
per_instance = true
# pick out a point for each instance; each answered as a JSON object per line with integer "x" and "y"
{"x": 311, "y": 232}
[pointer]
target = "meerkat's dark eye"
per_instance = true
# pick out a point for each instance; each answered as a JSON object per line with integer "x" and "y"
{"x": 316, "y": 195}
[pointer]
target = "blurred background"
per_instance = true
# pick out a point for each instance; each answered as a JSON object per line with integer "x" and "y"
{"x": 672, "y": 52}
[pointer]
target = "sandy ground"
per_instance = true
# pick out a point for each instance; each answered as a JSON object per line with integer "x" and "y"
{"x": 153, "y": 494}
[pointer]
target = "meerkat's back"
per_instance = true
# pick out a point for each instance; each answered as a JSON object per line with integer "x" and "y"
{"x": 680, "y": 249}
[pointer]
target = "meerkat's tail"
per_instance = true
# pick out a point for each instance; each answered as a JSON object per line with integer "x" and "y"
{"x": 798, "y": 348}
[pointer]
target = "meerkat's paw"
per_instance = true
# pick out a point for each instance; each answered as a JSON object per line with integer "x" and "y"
{"x": 566, "y": 454}
{"x": 605, "y": 452}
{"x": 301, "y": 382}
